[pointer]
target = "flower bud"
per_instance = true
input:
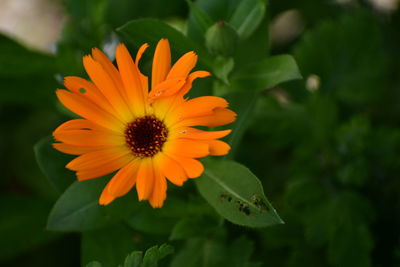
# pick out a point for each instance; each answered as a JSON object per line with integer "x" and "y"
{"x": 221, "y": 39}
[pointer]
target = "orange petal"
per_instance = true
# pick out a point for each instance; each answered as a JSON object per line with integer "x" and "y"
{"x": 183, "y": 66}
{"x": 83, "y": 107}
{"x": 96, "y": 159}
{"x": 109, "y": 67}
{"x": 170, "y": 169}
{"x": 200, "y": 106}
{"x": 220, "y": 116}
{"x": 193, "y": 133}
{"x": 145, "y": 179}
{"x": 192, "y": 167}
{"x": 108, "y": 87}
{"x": 159, "y": 193}
{"x": 87, "y": 89}
{"x": 166, "y": 88}
{"x": 74, "y": 150}
{"x": 193, "y": 76}
{"x": 103, "y": 169}
{"x": 161, "y": 63}
{"x": 186, "y": 148}
{"x": 131, "y": 79}
{"x": 81, "y": 124}
{"x": 162, "y": 107}
{"x": 143, "y": 79}
{"x": 140, "y": 52}
{"x": 218, "y": 147}
{"x": 120, "y": 184}
{"x": 105, "y": 197}
{"x": 89, "y": 138}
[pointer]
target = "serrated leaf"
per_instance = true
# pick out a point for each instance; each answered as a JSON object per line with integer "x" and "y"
{"x": 138, "y": 32}
{"x": 266, "y": 73}
{"x": 134, "y": 259}
{"x": 154, "y": 254}
{"x": 164, "y": 250}
{"x": 52, "y": 163}
{"x": 236, "y": 194}
{"x": 247, "y": 16}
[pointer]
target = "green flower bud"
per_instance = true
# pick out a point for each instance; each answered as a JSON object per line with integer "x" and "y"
{"x": 221, "y": 39}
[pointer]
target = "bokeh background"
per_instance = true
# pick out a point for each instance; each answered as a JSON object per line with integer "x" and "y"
{"x": 326, "y": 148}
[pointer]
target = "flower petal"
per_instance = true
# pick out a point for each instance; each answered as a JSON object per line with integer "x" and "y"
{"x": 199, "y": 106}
{"x": 159, "y": 193}
{"x": 98, "y": 158}
{"x": 137, "y": 97}
{"x": 103, "y": 169}
{"x": 193, "y": 133}
{"x": 192, "y": 167}
{"x": 161, "y": 63}
{"x": 83, "y": 107}
{"x": 217, "y": 147}
{"x": 88, "y": 90}
{"x": 193, "y": 76}
{"x": 81, "y": 124}
{"x": 89, "y": 138}
{"x": 166, "y": 88}
{"x": 183, "y": 66}
{"x": 124, "y": 180}
{"x": 145, "y": 179}
{"x": 108, "y": 87}
{"x": 186, "y": 148}
{"x": 170, "y": 169}
{"x": 74, "y": 150}
{"x": 220, "y": 116}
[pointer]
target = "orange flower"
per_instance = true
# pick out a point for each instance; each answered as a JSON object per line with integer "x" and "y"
{"x": 146, "y": 136}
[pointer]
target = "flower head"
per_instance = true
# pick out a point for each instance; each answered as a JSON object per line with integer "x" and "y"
{"x": 146, "y": 136}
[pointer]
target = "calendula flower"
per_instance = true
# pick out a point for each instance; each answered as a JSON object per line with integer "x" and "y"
{"x": 146, "y": 136}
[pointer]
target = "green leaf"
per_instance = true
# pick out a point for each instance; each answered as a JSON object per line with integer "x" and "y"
{"x": 78, "y": 209}
{"x": 162, "y": 221}
{"x": 52, "y": 163}
{"x": 134, "y": 259}
{"x": 94, "y": 264}
{"x": 198, "y": 252}
{"x": 236, "y": 194}
{"x": 154, "y": 254}
{"x": 201, "y": 19}
{"x": 108, "y": 245}
{"x": 192, "y": 227}
{"x": 243, "y": 103}
{"x": 221, "y": 39}
{"x": 247, "y": 16}
{"x": 138, "y": 32}
{"x": 223, "y": 67}
{"x": 165, "y": 250}
{"x": 266, "y": 73}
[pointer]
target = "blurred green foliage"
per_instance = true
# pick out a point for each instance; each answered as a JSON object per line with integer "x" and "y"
{"x": 327, "y": 155}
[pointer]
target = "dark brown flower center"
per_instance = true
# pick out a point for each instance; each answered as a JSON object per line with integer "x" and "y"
{"x": 145, "y": 136}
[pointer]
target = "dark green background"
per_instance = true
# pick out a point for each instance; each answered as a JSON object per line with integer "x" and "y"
{"x": 329, "y": 160}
